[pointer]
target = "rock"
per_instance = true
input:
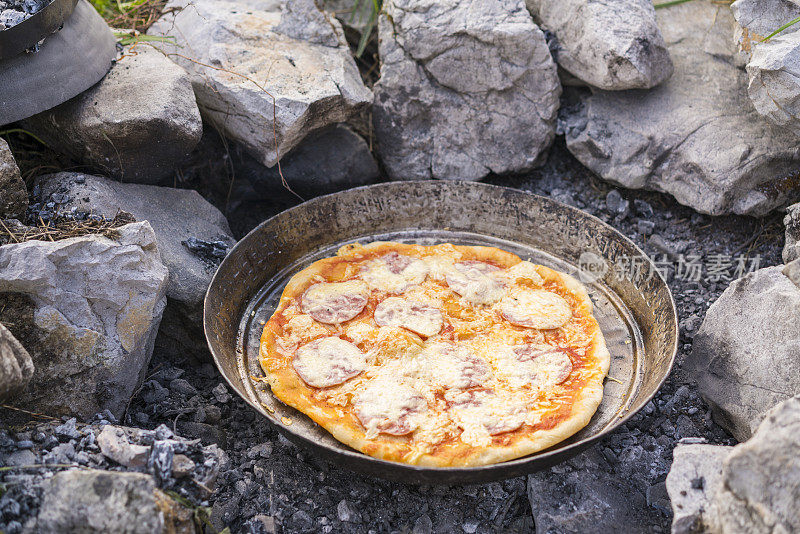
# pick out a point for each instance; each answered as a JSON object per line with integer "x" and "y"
{"x": 13, "y": 195}
{"x": 696, "y": 136}
{"x": 756, "y": 19}
{"x": 466, "y": 89}
{"x": 774, "y": 87}
{"x": 791, "y": 250}
{"x": 327, "y": 161}
{"x": 21, "y": 457}
{"x": 761, "y": 478}
{"x": 695, "y": 474}
{"x": 115, "y": 445}
{"x": 298, "y": 53}
{"x": 176, "y": 215}
{"x": 87, "y": 310}
{"x": 585, "y": 494}
{"x": 135, "y": 125}
{"x": 613, "y": 45}
{"x": 744, "y": 356}
{"x": 16, "y": 365}
{"x": 98, "y": 501}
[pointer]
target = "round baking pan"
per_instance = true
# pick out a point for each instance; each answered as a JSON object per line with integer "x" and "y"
{"x": 632, "y": 302}
{"x": 30, "y": 31}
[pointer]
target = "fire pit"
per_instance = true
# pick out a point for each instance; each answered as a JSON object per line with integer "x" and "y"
{"x": 51, "y": 56}
{"x": 635, "y": 309}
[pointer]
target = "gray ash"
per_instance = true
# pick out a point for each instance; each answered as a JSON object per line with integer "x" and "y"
{"x": 12, "y": 12}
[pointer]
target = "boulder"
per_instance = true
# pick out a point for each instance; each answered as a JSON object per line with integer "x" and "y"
{"x": 756, "y": 19}
{"x": 612, "y": 45}
{"x": 16, "y": 365}
{"x": 13, "y": 195}
{"x": 466, "y": 89}
{"x": 692, "y": 480}
{"x": 96, "y": 501}
{"x": 774, "y": 88}
{"x": 176, "y": 216}
{"x": 87, "y": 309}
{"x": 136, "y": 124}
{"x": 329, "y": 160}
{"x": 697, "y": 135}
{"x": 262, "y": 71}
{"x": 744, "y": 357}
{"x": 791, "y": 249}
{"x": 760, "y": 485}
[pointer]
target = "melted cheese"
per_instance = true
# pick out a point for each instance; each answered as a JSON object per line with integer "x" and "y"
{"x": 378, "y": 275}
{"x": 475, "y": 282}
{"x": 523, "y": 271}
{"x": 389, "y": 406}
{"x": 417, "y": 317}
{"x": 535, "y": 309}
{"x": 452, "y": 366}
{"x": 328, "y": 361}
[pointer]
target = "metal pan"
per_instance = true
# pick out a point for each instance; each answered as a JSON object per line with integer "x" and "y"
{"x": 69, "y": 62}
{"x": 27, "y": 33}
{"x": 634, "y": 307}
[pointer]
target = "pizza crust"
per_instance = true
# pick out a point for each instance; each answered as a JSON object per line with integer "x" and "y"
{"x": 332, "y": 408}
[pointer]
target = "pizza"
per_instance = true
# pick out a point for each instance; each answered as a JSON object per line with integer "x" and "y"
{"x": 440, "y": 355}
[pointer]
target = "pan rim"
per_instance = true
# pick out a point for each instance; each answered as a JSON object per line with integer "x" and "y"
{"x": 568, "y": 450}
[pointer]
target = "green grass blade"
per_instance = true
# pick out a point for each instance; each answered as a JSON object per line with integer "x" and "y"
{"x": 779, "y": 30}
{"x": 670, "y": 3}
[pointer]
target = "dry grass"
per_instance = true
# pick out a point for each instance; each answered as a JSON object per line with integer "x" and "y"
{"x": 63, "y": 228}
{"x": 136, "y": 15}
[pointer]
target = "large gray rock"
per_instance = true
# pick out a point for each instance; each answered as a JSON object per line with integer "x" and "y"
{"x": 610, "y": 44}
{"x": 13, "y": 195}
{"x": 253, "y": 61}
{"x": 696, "y": 136}
{"x": 774, "y": 87}
{"x": 791, "y": 248}
{"x": 756, "y": 19}
{"x": 16, "y": 365}
{"x": 466, "y": 89}
{"x": 93, "y": 501}
{"x": 691, "y": 483}
{"x": 176, "y": 215}
{"x": 135, "y": 125}
{"x": 760, "y": 485}
{"x": 744, "y": 356}
{"x": 87, "y": 309}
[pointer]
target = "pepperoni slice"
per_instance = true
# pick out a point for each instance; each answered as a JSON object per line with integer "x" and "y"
{"x": 455, "y": 366}
{"x": 542, "y": 366}
{"x": 419, "y": 318}
{"x": 389, "y": 407}
{"x": 536, "y": 308}
{"x": 335, "y": 302}
{"x": 328, "y": 361}
{"x": 475, "y": 281}
{"x": 394, "y": 272}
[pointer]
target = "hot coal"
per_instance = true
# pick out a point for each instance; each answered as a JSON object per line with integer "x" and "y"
{"x": 12, "y": 12}
{"x": 208, "y": 251}
{"x": 271, "y": 485}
